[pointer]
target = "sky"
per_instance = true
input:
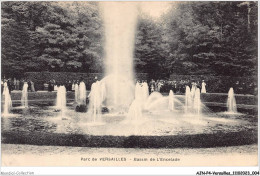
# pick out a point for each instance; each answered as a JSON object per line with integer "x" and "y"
{"x": 152, "y": 8}
{"x": 155, "y": 8}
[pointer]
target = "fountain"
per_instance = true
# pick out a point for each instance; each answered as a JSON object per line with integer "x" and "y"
{"x": 188, "y": 100}
{"x": 116, "y": 91}
{"x": 76, "y": 93}
{"x": 231, "y": 102}
{"x": 149, "y": 124}
{"x": 82, "y": 93}
{"x": 61, "y": 98}
{"x": 145, "y": 91}
{"x": 141, "y": 92}
{"x": 61, "y": 101}
{"x": 197, "y": 102}
{"x": 156, "y": 101}
{"x": 119, "y": 47}
{"x": 135, "y": 112}
{"x": 24, "y": 99}
{"x": 171, "y": 101}
{"x": 7, "y": 100}
{"x": 192, "y": 101}
{"x": 96, "y": 98}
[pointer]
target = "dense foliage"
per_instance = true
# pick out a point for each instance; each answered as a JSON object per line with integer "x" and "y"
{"x": 216, "y": 38}
{"x": 50, "y": 36}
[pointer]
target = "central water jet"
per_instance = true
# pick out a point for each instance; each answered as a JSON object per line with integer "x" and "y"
{"x": 120, "y": 19}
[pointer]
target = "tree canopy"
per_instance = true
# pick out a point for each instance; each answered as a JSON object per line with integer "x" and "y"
{"x": 216, "y": 38}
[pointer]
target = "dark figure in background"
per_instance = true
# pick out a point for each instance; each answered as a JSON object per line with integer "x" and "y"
{"x": 2, "y": 86}
{"x": 53, "y": 82}
{"x": 21, "y": 84}
{"x": 152, "y": 86}
{"x": 17, "y": 86}
{"x": 198, "y": 85}
{"x": 49, "y": 86}
{"x": 67, "y": 86}
{"x": 183, "y": 88}
{"x": 80, "y": 80}
{"x": 175, "y": 89}
{"x": 29, "y": 86}
{"x": 9, "y": 85}
{"x": 70, "y": 86}
{"x": 32, "y": 86}
{"x": 14, "y": 84}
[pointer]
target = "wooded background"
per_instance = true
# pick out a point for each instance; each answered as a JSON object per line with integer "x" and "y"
{"x": 192, "y": 38}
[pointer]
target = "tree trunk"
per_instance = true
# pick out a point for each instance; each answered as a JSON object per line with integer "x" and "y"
{"x": 248, "y": 18}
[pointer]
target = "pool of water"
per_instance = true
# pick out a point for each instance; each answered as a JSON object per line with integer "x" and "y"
{"x": 45, "y": 119}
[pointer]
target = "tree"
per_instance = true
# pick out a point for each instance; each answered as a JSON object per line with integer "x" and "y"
{"x": 212, "y": 38}
{"x": 18, "y": 50}
{"x": 150, "y": 48}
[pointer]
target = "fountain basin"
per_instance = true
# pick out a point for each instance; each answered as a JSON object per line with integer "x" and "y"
{"x": 41, "y": 125}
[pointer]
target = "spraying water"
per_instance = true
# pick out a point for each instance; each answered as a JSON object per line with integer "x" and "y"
{"x": 171, "y": 101}
{"x": 24, "y": 99}
{"x": 135, "y": 112}
{"x": 197, "y": 102}
{"x": 77, "y": 93}
{"x": 120, "y": 19}
{"x": 152, "y": 100}
{"x": 61, "y": 98}
{"x": 82, "y": 93}
{"x": 145, "y": 91}
{"x": 141, "y": 92}
{"x": 188, "y": 100}
{"x": 231, "y": 102}
{"x": 96, "y": 99}
{"x": 7, "y": 100}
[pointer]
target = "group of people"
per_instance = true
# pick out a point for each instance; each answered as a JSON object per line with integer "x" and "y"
{"x": 176, "y": 86}
{"x": 16, "y": 84}
{"x": 70, "y": 85}
{"x": 156, "y": 85}
{"x": 52, "y": 85}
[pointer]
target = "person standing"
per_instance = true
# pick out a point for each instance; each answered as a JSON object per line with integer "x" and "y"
{"x": 29, "y": 85}
{"x": 2, "y": 87}
{"x": 21, "y": 84}
{"x": 73, "y": 86}
{"x": 50, "y": 86}
{"x": 9, "y": 85}
{"x": 32, "y": 87}
{"x": 14, "y": 83}
{"x": 203, "y": 87}
{"x": 152, "y": 88}
{"x": 69, "y": 85}
{"x": 17, "y": 84}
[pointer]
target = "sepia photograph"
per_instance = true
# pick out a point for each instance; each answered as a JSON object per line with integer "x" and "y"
{"x": 109, "y": 83}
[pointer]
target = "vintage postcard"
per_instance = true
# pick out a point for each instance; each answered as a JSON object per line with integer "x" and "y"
{"x": 160, "y": 83}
